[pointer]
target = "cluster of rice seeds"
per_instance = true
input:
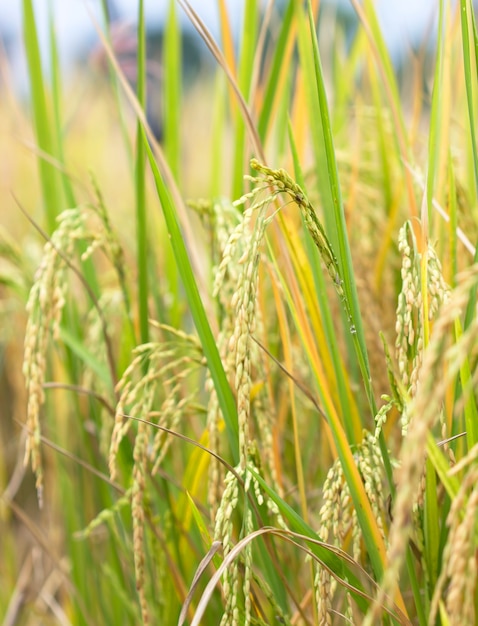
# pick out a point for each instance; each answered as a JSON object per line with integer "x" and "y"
{"x": 250, "y": 234}
{"x": 338, "y": 518}
{"x": 232, "y": 230}
{"x": 409, "y": 324}
{"x": 247, "y": 559}
{"x": 243, "y": 303}
{"x": 216, "y": 469}
{"x": 335, "y": 521}
{"x": 459, "y": 558}
{"x": 262, "y": 498}
{"x": 238, "y": 605}
{"x": 235, "y": 286}
{"x": 135, "y": 396}
{"x": 223, "y": 532}
{"x": 140, "y": 455}
{"x": 86, "y": 224}
{"x": 382, "y": 415}
{"x": 390, "y": 402}
{"x": 44, "y": 307}
{"x": 283, "y": 183}
{"x": 156, "y": 366}
{"x": 370, "y": 466}
{"x": 262, "y": 414}
{"x": 225, "y": 219}
{"x": 226, "y": 226}
{"x": 270, "y": 184}
{"x": 169, "y": 416}
{"x": 106, "y": 516}
{"x": 247, "y": 239}
{"x": 425, "y": 410}
{"x": 238, "y": 238}
{"x": 409, "y": 317}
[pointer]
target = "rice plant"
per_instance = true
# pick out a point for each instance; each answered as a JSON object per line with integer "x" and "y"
{"x": 239, "y": 364}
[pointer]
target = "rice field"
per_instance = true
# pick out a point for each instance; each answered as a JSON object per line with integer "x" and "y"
{"x": 238, "y": 356}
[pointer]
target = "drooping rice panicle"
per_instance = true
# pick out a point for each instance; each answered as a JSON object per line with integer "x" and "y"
{"x": 155, "y": 366}
{"x": 86, "y": 225}
{"x": 45, "y": 307}
{"x": 409, "y": 325}
{"x": 459, "y": 557}
{"x": 281, "y": 182}
{"x": 223, "y": 532}
{"x": 338, "y": 518}
{"x": 137, "y": 513}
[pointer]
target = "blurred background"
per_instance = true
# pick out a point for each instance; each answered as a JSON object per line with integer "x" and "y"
{"x": 409, "y": 29}
{"x": 406, "y": 25}
{"x": 97, "y": 132}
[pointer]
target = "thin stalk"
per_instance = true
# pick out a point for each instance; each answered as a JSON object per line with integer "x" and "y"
{"x": 140, "y": 186}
